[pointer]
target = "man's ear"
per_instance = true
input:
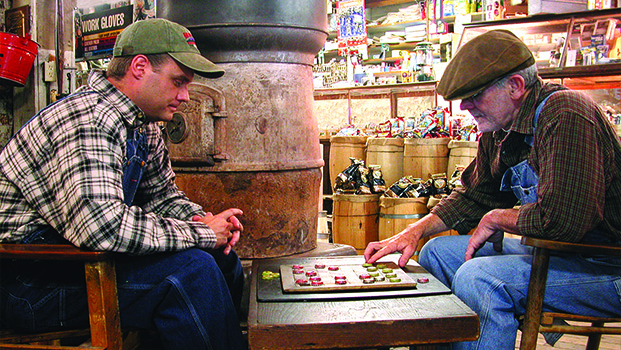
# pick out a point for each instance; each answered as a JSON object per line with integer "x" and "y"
{"x": 517, "y": 86}
{"x": 138, "y": 66}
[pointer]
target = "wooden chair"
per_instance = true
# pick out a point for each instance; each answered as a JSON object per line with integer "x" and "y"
{"x": 105, "y": 329}
{"x": 537, "y": 322}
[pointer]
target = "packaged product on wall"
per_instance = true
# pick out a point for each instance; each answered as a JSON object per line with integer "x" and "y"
{"x": 494, "y": 10}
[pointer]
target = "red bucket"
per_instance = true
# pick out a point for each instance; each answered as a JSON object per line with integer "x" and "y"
{"x": 17, "y": 54}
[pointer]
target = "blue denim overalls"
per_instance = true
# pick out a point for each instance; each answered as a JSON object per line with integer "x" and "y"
{"x": 137, "y": 156}
{"x": 133, "y": 168}
{"x": 523, "y": 181}
{"x": 521, "y": 178}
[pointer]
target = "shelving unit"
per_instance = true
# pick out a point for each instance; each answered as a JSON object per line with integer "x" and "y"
{"x": 567, "y": 26}
{"x": 393, "y": 92}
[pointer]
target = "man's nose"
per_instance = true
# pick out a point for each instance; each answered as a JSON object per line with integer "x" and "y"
{"x": 184, "y": 94}
{"x": 466, "y": 104}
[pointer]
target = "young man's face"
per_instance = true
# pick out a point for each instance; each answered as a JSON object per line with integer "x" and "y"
{"x": 164, "y": 89}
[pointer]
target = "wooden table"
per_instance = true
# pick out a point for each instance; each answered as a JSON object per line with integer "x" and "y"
{"x": 430, "y": 314}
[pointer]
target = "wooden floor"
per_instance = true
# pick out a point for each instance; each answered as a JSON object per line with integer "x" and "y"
{"x": 575, "y": 342}
{"x": 567, "y": 342}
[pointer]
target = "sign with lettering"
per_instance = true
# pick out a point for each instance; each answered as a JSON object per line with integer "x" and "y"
{"x": 352, "y": 27}
{"x": 99, "y": 30}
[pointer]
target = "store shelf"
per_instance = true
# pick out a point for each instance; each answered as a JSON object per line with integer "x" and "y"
{"x": 539, "y": 32}
{"x": 592, "y": 72}
{"x": 377, "y": 91}
{"x": 393, "y": 92}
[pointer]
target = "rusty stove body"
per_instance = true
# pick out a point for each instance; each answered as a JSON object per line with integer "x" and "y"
{"x": 249, "y": 139}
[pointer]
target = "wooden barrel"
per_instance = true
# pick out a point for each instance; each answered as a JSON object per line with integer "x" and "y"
{"x": 460, "y": 153}
{"x": 395, "y": 214}
{"x": 430, "y": 204}
{"x": 424, "y": 157}
{"x": 341, "y": 149}
{"x": 355, "y": 219}
{"x": 388, "y": 153}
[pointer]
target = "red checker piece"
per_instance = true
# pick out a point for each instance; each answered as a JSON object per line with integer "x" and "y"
{"x": 302, "y": 282}
{"x": 311, "y": 273}
{"x": 298, "y": 271}
{"x": 340, "y": 281}
{"x": 316, "y": 283}
{"x": 333, "y": 268}
{"x": 364, "y": 276}
{"x": 423, "y": 280}
{"x": 320, "y": 266}
{"x": 298, "y": 267}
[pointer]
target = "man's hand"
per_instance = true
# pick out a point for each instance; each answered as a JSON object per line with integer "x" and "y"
{"x": 225, "y": 225}
{"x": 405, "y": 242}
{"x": 492, "y": 228}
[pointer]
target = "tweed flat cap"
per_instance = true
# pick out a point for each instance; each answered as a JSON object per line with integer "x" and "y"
{"x": 482, "y": 61}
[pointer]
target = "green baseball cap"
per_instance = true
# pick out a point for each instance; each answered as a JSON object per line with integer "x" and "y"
{"x": 158, "y": 35}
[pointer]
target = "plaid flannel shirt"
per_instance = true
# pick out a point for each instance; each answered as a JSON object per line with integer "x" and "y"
{"x": 577, "y": 156}
{"x": 64, "y": 168}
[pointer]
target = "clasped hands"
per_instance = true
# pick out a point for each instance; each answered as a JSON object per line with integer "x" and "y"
{"x": 225, "y": 225}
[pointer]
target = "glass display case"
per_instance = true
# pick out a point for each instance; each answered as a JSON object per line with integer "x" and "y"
{"x": 580, "y": 48}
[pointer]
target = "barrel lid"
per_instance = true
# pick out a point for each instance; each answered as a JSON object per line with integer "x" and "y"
{"x": 463, "y": 143}
{"x": 385, "y": 141}
{"x": 348, "y": 139}
{"x": 397, "y": 200}
{"x": 429, "y": 141}
{"x": 355, "y": 197}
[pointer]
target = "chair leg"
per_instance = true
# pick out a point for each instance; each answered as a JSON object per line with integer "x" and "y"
{"x": 534, "y": 299}
{"x": 103, "y": 305}
{"x": 594, "y": 339}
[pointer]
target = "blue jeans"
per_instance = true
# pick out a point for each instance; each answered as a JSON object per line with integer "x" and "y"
{"x": 184, "y": 296}
{"x": 494, "y": 285}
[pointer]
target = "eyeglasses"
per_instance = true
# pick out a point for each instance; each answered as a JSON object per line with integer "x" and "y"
{"x": 476, "y": 97}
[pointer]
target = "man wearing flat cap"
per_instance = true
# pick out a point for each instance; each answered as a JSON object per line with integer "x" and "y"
{"x": 92, "y": 170}
{"x": 543, "y": 147}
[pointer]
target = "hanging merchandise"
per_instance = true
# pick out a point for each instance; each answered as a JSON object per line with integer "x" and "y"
{"x": 352, "y": 27}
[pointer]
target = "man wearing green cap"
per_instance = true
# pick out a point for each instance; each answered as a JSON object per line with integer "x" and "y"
{"x": 543, "y": 147}
{"x": 92, "y": 170}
